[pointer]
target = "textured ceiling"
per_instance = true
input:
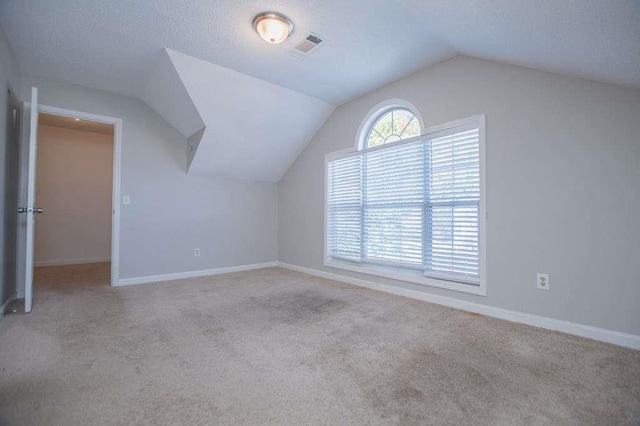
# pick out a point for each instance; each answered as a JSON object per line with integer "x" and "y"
{"x": 113, "y": 45}
{"x": 596, "y": 39}
{"x": 118, "y": 45}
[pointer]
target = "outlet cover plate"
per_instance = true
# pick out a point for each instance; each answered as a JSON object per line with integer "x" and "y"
{"x": 543, "y": 281}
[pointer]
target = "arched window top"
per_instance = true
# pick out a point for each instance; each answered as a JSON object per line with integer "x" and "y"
{"x": 391, "y": 126}
{"x": 388, "y": 122}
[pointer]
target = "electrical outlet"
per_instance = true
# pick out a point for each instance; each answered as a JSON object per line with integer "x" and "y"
{"x": 543, "y": 281}
{"x": 197, "y": 252}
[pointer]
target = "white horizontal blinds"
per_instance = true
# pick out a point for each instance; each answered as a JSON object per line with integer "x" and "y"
{"x": 344, "y": 198}
{"x": 413, "y": 205}
{"x": 393, "y": 199}
{"x": 453, "y": 204}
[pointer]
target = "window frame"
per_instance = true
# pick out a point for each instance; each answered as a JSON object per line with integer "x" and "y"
{"x": 406, "y": 274}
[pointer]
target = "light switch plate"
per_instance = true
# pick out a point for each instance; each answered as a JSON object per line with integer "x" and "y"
{"x": 126, "y": 200}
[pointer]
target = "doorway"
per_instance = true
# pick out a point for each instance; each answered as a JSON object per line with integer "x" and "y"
{"x": 48, "y": 254}
{"x": 74, "y": 184}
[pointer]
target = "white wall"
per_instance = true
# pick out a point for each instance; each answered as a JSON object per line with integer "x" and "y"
{"x": 9, "y": 153}
{"x": 563, "y": 187}
{"x": 233, "y": 222}
{"x": 74, "y": 185}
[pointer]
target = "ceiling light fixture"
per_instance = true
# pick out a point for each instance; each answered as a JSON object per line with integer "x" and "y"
{"x": 273, "y": 27}
{"x": 77, "y": 119}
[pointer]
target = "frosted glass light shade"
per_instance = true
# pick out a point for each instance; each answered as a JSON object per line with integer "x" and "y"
{"x": 273, "y": 27}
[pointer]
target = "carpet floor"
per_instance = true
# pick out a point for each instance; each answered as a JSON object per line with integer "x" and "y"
{"x": 273, "y": 346}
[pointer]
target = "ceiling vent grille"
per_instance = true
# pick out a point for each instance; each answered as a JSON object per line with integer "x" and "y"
{"x": 306, "y": 46}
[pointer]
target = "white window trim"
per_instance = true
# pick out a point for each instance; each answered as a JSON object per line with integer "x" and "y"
{"x": 378, "y": 111}
{"x": 407, "y": 275}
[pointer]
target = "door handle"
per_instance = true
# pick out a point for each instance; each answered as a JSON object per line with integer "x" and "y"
{"x": 33, "y": 210}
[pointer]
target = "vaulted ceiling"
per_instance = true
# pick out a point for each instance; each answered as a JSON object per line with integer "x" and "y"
{"x": 237, "y": 126}
{"x": 595, "y": 39}
{"x": 191, "y": 60}
{"x": 113, "y": 45}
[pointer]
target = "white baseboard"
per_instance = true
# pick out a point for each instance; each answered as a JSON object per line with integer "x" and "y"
{"x": 71, "y": 261}
{"x": 6, "y": 304}
{"x": 193, "y": 274}
{"x": 609, "y": 336}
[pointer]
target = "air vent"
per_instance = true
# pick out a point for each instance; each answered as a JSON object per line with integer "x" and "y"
{"x": 306, "y": 46}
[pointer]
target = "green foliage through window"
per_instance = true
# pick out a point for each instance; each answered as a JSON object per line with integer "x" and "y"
{"x": 394, "y": 125}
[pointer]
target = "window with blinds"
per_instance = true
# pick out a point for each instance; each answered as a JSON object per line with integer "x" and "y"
{"x": 412, "y": 204}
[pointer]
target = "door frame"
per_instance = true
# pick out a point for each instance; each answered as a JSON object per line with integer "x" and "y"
{"x": 117, "y": 163}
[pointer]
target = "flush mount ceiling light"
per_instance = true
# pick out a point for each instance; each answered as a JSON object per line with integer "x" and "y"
{"x": 273, "y": 27}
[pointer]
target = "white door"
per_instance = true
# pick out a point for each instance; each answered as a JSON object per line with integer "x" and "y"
{"x": 27, "y": 208}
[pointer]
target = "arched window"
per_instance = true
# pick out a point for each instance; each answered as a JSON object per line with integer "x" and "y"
{"x": 388, "y": 122}
{"x": 411, "y": 207}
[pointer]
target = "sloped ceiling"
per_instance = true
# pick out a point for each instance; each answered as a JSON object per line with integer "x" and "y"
{"x": 595, "y": 39}
{"x": 248, "y": 108}
{"x": 253, "y": 129}
{"x": 113, "y": 45}
{"x": 166, "y": 94}
{"x": 237, "y": 126}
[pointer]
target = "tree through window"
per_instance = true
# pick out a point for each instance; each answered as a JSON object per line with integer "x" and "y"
{"x": 392, "y": 126}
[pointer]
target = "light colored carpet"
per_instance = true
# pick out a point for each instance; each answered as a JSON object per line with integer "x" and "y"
{"x": 277, "y": 347}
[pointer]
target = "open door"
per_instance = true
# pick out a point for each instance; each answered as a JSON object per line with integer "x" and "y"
{"x": 27, "y": 209}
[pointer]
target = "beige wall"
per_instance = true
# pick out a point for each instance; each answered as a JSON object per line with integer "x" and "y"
{"x": 73, "y": 185}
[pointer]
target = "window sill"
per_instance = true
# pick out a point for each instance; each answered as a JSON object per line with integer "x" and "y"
{"x": 406, "y": 275}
